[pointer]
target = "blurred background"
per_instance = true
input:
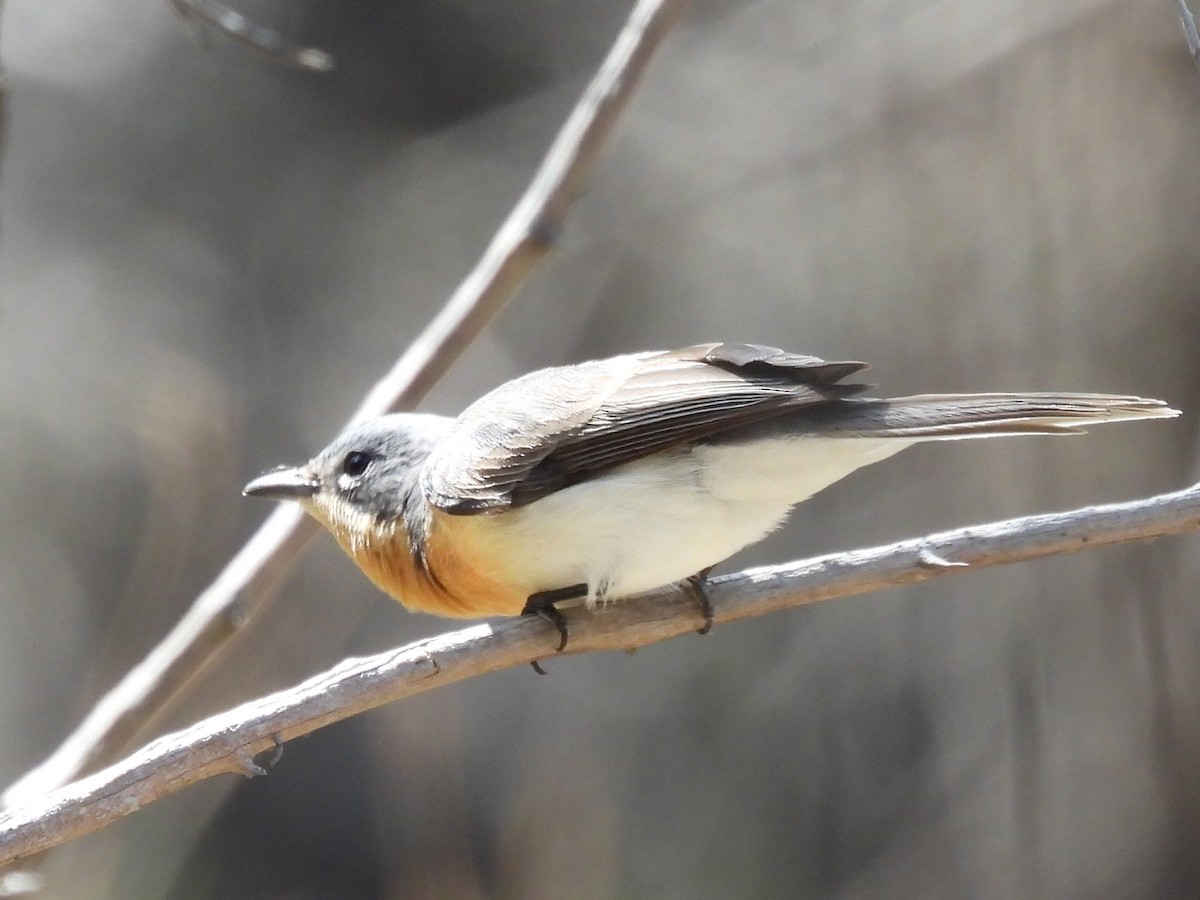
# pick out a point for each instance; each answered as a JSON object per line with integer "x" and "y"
{"x": 206, "y": 259}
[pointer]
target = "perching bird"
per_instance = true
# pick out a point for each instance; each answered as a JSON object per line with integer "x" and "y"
{"x": 620, "y": 475}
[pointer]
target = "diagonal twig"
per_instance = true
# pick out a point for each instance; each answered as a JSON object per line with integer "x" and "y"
{"x": 225, "y": 20}
{"x": 251, "y": 578}
{"x": 1189, "y": 30}
{"x": 228, "y": 742}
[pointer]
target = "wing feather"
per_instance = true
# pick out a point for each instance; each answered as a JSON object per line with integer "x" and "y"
{"x": 556, "y": 427}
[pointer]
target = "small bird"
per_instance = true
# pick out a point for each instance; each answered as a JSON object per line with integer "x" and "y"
{"x": 620, "y": 475}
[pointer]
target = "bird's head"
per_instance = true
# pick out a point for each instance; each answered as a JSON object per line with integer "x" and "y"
{"x": 362, "y": 484}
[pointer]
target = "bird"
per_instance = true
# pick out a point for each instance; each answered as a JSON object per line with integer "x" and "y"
{"x": 616, "y": 476}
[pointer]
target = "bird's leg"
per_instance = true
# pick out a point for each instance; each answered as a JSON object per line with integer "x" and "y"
{"x": 542, "y": 605}
{"x": 694, "y": 585}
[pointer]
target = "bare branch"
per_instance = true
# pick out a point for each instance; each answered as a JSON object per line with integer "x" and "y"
{"x": 1189, "y": 29}
{"x": 227, "y": 21}
{"x": 531, "y": 229}
{"x": 250, "y": 579}
{"x": 228, "y": 742}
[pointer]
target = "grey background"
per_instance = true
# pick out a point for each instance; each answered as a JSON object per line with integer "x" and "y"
{"x": 206, "y": 259}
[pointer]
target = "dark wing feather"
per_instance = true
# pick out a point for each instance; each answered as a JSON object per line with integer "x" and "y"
{"x": 556, "y": 427}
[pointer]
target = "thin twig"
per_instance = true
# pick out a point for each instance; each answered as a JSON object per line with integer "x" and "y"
{"x": 228, "y": 742}
{"x": 227, "y": 21}
{"x": 250, "y": 579}
{"x": 1189, "y": 30}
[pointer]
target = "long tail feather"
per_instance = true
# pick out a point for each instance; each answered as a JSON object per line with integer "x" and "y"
{"x": 950, "y": 416}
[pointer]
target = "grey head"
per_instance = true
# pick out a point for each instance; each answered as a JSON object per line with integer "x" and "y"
{"x": 369, "y": 473}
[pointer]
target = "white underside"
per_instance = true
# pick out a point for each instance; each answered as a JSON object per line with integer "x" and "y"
{"x": 660, "y": 520}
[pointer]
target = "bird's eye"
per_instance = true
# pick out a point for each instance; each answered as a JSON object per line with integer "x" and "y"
{"x": 356, "y": 463}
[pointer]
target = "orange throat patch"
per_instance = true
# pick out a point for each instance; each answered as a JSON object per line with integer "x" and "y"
{"x": 449, "y": 581}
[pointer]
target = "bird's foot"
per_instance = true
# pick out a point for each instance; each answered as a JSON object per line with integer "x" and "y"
{"x": 542, "y": 605}
{"x": 694, "y": 585}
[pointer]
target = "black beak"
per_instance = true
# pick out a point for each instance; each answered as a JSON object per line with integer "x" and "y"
{"x": 283, "y": 484}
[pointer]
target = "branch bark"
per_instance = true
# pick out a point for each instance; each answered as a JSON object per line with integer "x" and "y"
{"x": 228, "y": 742}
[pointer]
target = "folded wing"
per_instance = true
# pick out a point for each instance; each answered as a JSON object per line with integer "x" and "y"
{"x": 556, "y": 427}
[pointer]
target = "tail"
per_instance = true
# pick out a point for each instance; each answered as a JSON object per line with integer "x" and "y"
{"x": 960, "y": 416}
{"x": 815, "y": 447}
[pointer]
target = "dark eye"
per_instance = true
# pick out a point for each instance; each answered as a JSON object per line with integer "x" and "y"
{"x": 356, "y": 463}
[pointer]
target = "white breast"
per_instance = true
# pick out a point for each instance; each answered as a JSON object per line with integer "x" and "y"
{"x": 662, "y": 519}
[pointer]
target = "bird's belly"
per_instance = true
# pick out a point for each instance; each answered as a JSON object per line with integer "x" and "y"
{"x": 661, "y": 519}
{"x": 638, "y": 527}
